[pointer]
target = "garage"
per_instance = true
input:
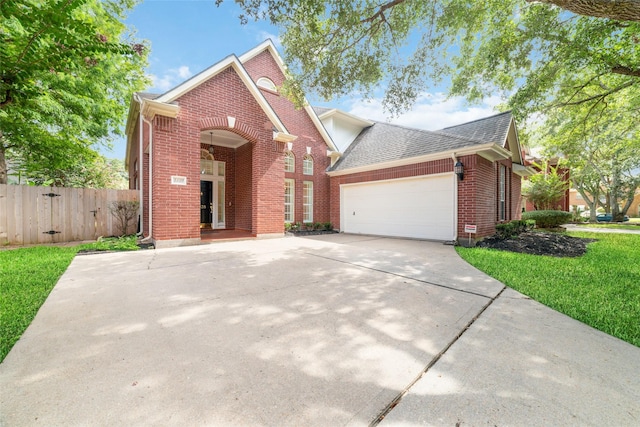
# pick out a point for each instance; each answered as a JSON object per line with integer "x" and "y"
{"x": 421, "y": 207}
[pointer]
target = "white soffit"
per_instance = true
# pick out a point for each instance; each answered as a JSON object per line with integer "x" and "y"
{"x": 347, "y": 117}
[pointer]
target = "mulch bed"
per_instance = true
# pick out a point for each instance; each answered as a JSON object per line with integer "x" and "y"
{"x": 540, "y": 243}
{"x": 300, "y": 233}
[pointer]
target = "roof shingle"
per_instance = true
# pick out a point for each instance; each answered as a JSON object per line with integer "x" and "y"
{"x": 384, "y": 142}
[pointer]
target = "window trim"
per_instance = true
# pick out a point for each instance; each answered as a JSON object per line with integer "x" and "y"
{"x": 289, "y": 155}
{"x": 307, "y": 201}
{"x": 291, "y": 202}
{"x": 266, "y": 83}
{"x": 307, "y": 161}
{"x": 502, "y": 193}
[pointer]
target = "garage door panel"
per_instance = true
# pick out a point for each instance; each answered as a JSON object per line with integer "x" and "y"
{"x": 420, "y": 208}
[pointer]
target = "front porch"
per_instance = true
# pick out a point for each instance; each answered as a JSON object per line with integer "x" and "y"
{"x": 210, "y": 235}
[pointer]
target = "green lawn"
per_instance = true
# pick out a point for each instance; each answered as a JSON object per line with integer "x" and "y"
{"x": 27, "y": 276}
{"x": 625, "y": 226}
{"x": 601, "y": 288}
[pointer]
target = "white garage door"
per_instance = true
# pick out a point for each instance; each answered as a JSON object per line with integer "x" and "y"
{"x": 418, "y": 207}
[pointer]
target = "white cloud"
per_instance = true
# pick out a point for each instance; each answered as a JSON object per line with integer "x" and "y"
{"x": 184, "y": 72}
{"x": 171, "y": 78}
{"x": 264, "y": 35}
{"x": 430, "y": 112}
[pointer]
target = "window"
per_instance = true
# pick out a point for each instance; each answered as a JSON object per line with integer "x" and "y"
{"x": 503, "y": 191}
{"x": 307, "y": 201}
{"x": 289, "y": 197}
{"x": 289, "y": 162}
{"x": 307, "y": 165}
{"x": 206, "y": 163}
{"x": 266, "y": 83}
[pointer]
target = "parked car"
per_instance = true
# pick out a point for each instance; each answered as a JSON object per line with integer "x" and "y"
{"x": 607, "y": 217}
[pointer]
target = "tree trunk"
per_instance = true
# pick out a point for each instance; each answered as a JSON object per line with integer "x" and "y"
{"x": 620, "y": 10}
{"x": 3, "y": 164}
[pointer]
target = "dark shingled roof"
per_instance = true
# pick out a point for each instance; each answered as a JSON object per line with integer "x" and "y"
{"x": 489, "y": 129}
{"x": 384, "y": 142}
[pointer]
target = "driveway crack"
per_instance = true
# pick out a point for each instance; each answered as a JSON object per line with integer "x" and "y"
{"x": 400, "y": 395}
{"x": 440, "y": 285}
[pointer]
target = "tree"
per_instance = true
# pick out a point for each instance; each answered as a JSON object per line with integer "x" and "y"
{"x": 601, "y": 149}
{"x": 91, "y": 170}
{"x": 67, "y": 68}
{"x": 545, "y": 189}
{"x": 538, "y": 54}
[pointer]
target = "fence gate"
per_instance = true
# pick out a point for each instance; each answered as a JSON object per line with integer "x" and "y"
{"x": 30, "y": 215}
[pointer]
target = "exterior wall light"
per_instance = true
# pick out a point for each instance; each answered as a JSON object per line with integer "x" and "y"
{"x": 458, "y": 168}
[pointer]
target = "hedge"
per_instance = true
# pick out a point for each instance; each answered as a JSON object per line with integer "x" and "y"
{"x": 513, "y": 228}
{"x": 547, "y": 219}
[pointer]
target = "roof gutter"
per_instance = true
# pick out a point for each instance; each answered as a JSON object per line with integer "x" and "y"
{"x": 481, "y": 150}
{"x": 140, "y": 164}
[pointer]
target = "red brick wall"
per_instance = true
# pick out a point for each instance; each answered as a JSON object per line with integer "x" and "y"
{"x": 467, "y": 189}
{"x": 242, "y": 200}
{"x": 516, "y": 196}
{"x": 298, "y": 123}
{"x": 486, "y": 212}
{"x": 176, "y": 151}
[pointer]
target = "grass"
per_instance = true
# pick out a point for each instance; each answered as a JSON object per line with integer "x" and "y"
{"x": 612, "y": 226}
{"x": 600, "y": 288}
{"x": 27, "y": 276}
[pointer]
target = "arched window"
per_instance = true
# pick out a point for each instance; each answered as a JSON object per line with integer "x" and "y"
{"x": 289, "y": 162}
{"x": 307, "y": 164}
{"x": 206, "y": 162}
{"x": 266, "y": 83}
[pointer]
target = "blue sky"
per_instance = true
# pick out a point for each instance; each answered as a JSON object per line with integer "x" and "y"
{"x": 188, "y": 36}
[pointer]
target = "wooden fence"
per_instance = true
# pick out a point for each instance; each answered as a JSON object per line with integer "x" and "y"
{"x": 30, "y": 215}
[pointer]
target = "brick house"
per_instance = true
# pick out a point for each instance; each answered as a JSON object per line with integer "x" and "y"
{"x": 225, "y": 151}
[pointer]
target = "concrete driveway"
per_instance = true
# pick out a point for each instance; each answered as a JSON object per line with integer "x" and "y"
{"x": 332, "y": 330}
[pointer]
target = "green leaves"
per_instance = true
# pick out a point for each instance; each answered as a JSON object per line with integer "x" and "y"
{"x": 67, "y": 69}
{"x": 536, "y": 55}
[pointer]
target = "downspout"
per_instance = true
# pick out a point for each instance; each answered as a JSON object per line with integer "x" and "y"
{"x": 140, "y": 163}
{"x": 455, "y": 201}
{"x": 150, "y": 236}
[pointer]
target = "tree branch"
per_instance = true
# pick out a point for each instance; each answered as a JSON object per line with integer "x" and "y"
{"x": 8, "y": 99}
{"x": 626, "y": 71}
{"x": 599, "y": 96}
{"x": 381, "y": 11}
{"x": 620, "y": 10}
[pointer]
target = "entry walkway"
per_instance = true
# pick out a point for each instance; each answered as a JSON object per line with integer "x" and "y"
{"x": 332, "y": 330}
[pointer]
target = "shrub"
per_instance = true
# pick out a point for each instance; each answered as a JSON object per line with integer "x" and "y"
{"x": 547, "y": 219}
{"x": 287, "y": 226}
{"x": 125, "y": 212}
{"x": 514, "y": 228}
{"x": 327, "y": 226}
{"x": 545, "y": 189}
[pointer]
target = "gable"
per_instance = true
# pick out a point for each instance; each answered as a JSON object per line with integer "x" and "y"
{"x": 264, "y": 61}
{"x": 233, "y": 63}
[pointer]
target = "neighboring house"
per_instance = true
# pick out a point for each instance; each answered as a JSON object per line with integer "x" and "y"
{"x": 224, "y": 150}
{"x": 576, "y": 199}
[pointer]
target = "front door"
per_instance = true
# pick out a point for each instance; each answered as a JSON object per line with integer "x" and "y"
{"x": 206, "y": 204}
